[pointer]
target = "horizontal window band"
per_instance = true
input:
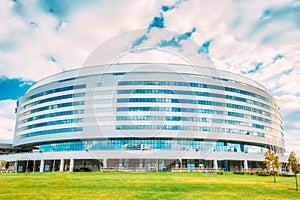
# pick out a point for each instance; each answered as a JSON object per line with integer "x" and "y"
{"x": 194, "y": 93}
{"x": 49, "y": 115}
{"x": 153, "y": 144}
{"x": 54, "y": 106}
{"x": 191, "y": 119}
{"x": 190, "y": 128}
{"x": 192, "y": 110}
{"x": 192, "y": 84}
{"x": 56, "y": 98}
{"x": 192, "y": 101}
{"x": 56, "y": 90}
{"x": 51, "y": 123}
{"x": 51, "y": 131}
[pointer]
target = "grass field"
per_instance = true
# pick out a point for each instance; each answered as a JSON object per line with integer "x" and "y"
{"x": 121, "y": 185}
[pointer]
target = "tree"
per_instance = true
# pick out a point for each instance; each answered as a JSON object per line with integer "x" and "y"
{"x": 3, "y": 162}
{"x": 272, "y": 162}
{"x": 294, "y": 166}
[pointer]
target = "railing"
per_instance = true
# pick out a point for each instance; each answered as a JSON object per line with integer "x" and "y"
{"x": 123, "y": 169}
{"x": 204, "y": 170}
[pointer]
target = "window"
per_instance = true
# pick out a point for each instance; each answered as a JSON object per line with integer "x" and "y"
{"x": 51, "y": 131}
{"x": 56, "y": 90}
{"x": 191, "y": 84}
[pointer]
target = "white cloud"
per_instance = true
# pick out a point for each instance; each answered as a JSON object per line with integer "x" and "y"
{"x": 239, "y": 39}
{"x": 29, "y": 45}
{"x": 292, "y": 141}
{"x": 72, "y": 43}
{"x": 288, "y": 103}
{"x": 7, "y": 118}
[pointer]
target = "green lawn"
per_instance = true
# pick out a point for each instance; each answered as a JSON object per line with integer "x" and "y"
{"x": 121, "y": 185}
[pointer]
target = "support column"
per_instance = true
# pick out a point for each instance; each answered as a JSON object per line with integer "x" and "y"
{"x": 104, "y": 163}
{"x": 157, "y": 165}
{"x": 180, "y": 162}
{"x": 245, "y": 164}
{"x": 215, "y": 164}
{"x": 26, "y": 170}
{"x": 53, "y": 166}
{"x": 141, "y": 163}
{"x": 176, "y": 164}
{"x": 147, "y": 164}
{"x": 42, "y": 166}
{"x": 120, "y": 163}
{"x": 126, "y": 163}
{"x": 62, "y": 164}
{"x": 162, "y": 164}
{"x": 33, "y": 169}
{"x": 16, "y": 166}
{"x": 71, "y": 165}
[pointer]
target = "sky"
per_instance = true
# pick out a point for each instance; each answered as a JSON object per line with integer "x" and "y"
{"x": 257, "y": 39}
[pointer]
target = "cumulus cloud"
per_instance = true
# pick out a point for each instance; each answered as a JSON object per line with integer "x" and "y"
{"x": 291, "y": 143}
{"x": 46, "y": 45}
{"x": 256, "y": 38}
{"x": 288, "y": 102}
{"x": 7, "y": 118}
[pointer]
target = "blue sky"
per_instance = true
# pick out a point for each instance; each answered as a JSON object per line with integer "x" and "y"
{"x": 258, "y": 39}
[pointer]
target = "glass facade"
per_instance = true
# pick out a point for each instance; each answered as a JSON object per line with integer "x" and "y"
{"x": 192, "y": 101}
{"x": 192, "y": 93}
{"x": 67, "y": 96}
{"x": 49, "y": 115}
{"x": 152, "y": 144}
{"x": 51, "y": 131}
{"x": 60, "y": 105}
{"x": 192, "y": 110}
{"x": 196, "y": 85}
{"x": 56, "y": 90}
{"x": 52, "y": 123}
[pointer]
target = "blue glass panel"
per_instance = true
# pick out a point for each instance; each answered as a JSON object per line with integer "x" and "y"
{"x": 192, "y": 101}
{"x": 61, "y": 105}
{"x": 191, "y": 84}
{"x": 67, "y": 96}
{"x": 49, "y": 115}
{"x": 194, "y": 93}
{"x": 149, "y": 144}
{"x": 56, "y": 90}
{"x": 51, "y": 131}
{"x": 192, "y": 110}
{"x": 51, "y": 123}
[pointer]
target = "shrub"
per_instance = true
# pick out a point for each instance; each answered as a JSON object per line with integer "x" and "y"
{"x": 249, "y": 172}
{"x": 220, "y": 172}
{"x": 263, "y": 173}
{"x": 239, "y": 173}
{"x": 288, "y": 175}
